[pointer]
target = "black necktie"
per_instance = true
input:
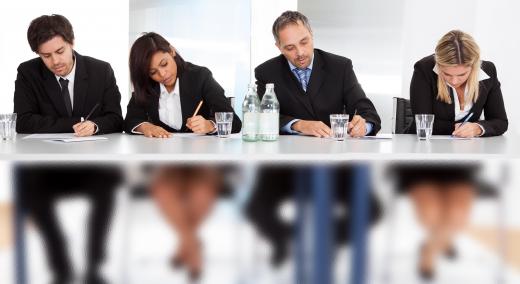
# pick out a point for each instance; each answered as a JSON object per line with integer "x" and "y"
{"x": 66, "y": 95}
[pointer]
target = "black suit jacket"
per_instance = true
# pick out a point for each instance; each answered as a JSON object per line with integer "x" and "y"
{"x": 40, "y": 107}
{"x": 423, "y": 93}
{"x": 332, "y": 86}
{"x": 196, "y": 83}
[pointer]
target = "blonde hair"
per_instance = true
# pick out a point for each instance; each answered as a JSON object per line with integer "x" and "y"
{"x": 453, "y": 49}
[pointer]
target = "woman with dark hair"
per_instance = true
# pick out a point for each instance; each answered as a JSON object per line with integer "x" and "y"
{"x": 167, "y": 91}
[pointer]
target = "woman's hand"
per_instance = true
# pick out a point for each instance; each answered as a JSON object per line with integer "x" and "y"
{"x": 200, "y": 125}
{"x": 468, "y": 130}
{"x": 151, "y": 130}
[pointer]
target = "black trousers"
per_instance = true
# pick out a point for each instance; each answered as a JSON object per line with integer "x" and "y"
{"x": 41, "y": 186}
{"x": 276, "y": 184}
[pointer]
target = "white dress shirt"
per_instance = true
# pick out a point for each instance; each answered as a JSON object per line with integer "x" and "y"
{"x": 69, "y": 77}
{"x": 170, "y": 112}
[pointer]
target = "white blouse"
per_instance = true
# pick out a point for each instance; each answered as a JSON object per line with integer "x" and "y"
{"x": 170, "y": 112}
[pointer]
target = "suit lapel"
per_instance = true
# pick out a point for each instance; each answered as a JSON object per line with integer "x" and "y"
{"x": 451, "y": 106}
{"x": 317, "y": 77}
{"x": 53, "y": 89}
{"x": 294, "y": 86}
{"x": 80, "y": 87}
{"x": 186, "y": 100}
{"x": 153, "y": 105}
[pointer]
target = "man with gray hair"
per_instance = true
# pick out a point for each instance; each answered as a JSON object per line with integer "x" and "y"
{"x": 310, "y": 84}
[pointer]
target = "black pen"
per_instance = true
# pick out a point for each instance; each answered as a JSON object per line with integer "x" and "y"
{"x": 90, "y": 113}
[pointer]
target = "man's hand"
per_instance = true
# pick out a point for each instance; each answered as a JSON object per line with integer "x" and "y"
{"x": 468, "y": 130}
{"x": 85, "y": 128}
{"x": 151, "y": 130}
{"x": 357, "y": 126}
{"x": 200, "y": 125}
{"x": 313, "y": 128}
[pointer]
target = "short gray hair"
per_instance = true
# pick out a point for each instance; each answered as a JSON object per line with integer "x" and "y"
{"x": 289, "y": 18}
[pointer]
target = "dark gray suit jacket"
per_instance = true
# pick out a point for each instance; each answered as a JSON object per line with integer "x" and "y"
{"x": 332, "y": 86}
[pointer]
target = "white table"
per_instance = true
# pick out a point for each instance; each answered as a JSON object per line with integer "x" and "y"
{"x": 123, "y": 148}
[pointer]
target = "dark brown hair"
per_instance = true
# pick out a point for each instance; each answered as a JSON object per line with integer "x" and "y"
{"x": 141, "y": 55}
{"x": 46, "y": 27}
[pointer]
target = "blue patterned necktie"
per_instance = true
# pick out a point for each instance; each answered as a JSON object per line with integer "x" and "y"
{"x": 302, "y": 76}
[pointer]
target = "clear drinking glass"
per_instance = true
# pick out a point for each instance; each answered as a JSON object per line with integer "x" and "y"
{"x": 424, "y": 125}
{"x": 8, "y": 126}
{"x": 338, "y": 125}
{"x": 224, "y": 122}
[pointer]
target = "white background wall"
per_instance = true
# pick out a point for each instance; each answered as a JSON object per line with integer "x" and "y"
{"x": 385, "y": 38}
{"x": 100, "y": 28}
{"x": 214, "y": 34}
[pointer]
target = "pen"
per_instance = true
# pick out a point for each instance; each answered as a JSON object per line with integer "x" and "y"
{"x": 90, "y": 113}
{"x": 198, "y": 108}
{"x": 466, "y": 120}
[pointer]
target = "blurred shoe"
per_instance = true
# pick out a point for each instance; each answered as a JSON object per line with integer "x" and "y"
{"x": 195, "y": 275}
{"x": 176, "y": 261}
{"x": 63, "y": 277}
{"x": 426, "y": 273}
{"x": 62, "y": 280}
{"x": 279, "y": 253}
{"x": 451, "y": 253}
{"x": 194, "y": 261}
{"x": 94, "y": 277}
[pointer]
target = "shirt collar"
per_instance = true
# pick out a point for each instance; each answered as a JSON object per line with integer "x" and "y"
{"x": 69, "y": 76}
{"x": 482, "y": 75}
{"x": 292, "y": 67}
{"x": 175, "y": 90}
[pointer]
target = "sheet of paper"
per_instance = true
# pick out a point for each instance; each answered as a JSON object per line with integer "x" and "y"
{"x": 194, "y": 135}
{"x": 380, "y": 136}
{"x": 50, "y": 136}
{"x": 447, "y": 137}
{"x": 78, "y": 139}
{"x": 187, "y": 135}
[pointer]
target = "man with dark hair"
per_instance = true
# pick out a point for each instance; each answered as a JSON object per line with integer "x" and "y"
{"x": 310, "y": 84}
{"x": 53, "y": 94}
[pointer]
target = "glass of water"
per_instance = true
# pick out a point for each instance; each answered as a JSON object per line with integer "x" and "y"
{"x": 424, "y": 125}
{"x": 8, "y": 126}
{"x": 338, "y": 125}
{"x": 224, "y": 122}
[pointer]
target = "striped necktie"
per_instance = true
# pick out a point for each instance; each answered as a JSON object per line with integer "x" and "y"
{"x": 302, "y": 76}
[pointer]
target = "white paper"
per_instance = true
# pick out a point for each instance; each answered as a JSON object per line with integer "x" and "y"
{"x": 380, "y": 136}
{"x": 187, "y": 135}
{"x": 78, "y": 139}
{"x": 195, "y": 135}
{"x": 50, "y": 136}
{"x": 447, "y": 137}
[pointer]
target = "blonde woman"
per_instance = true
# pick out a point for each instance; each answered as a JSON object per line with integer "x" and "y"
{"x": 456, "y": 86}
